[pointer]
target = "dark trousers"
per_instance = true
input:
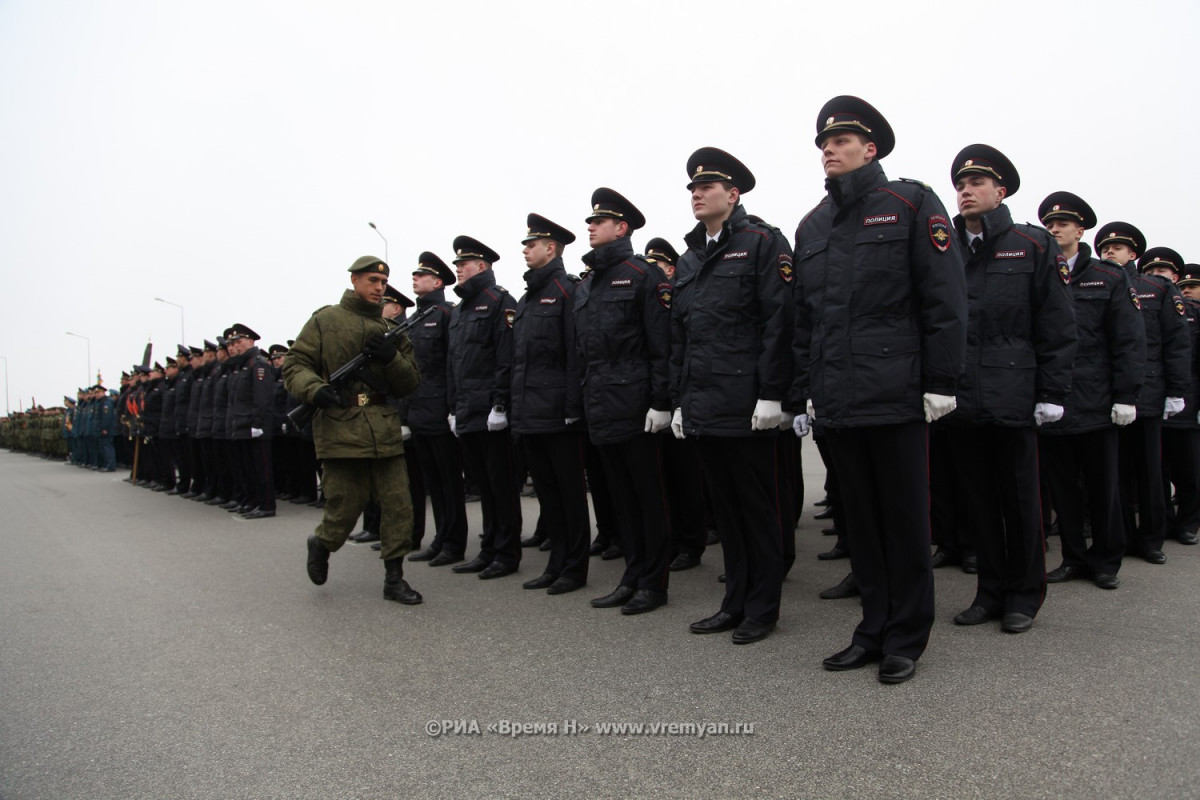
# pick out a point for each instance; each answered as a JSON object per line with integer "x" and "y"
{"x": 884, "y": 473}
{"x": 183, "y": 460}
{"x": 1139, "y": 447}
{"x": 442, "y": 470}
{"x": 258, "y": 480}
{"x": 1092, "y": 457}
{"x": 608, "y": 527}
{"x": 1181, "y": 468}
{"x": 997, "y": 471}
{"x": 833, "y": 491}
{"x": 488, "y": 456}
{"x": 684, "y": 480}
{"x": 167, "y": 461}
{"x": 633, "y": 470}
{"x": 303, "y": 480}
{"x": 949, "y": 513}
{"x": 416, "y": 490}
{"x": 791, "y": 494}
{"x": 108, "y": 453}
{"x": 556, "y": 464}
{"x": 742, "y": 476}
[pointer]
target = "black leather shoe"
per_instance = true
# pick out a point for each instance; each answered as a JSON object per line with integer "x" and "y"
{"x": 428, "y": 554}
{"x": 834, "y": 554}
{"x": 544, "y": 546}
{"x": 597, "y": 548}
{"x": 230, "y": 505}
{"x": 496, "y": 570}
{"x": 611, "y": 552}
{"x": 717, "y": 623}
{"x": 1016, "y": 622}
{"x": 303, "y": 500}
{"x": 216, "y": 501}
{"x": 975, "y": 615}
{"x": 318, "y": 560}
{"x": 711, "y": 537}
{"x": 244, "y": 508}
{"x": 684, "y": 561}
{"x": 1065, "y": 572}
{"x": 363, "y": 537}
{"x": 824, "y": 501}
{"x": 174, "y": 492}
{"x": 1154, "y": 557}
{"x": 377, "y": 546}
{"x": 847, "y": 588}
{"x": 202, "y": 498}
{"x": 443, "y": 558}
{"x": 1106, "y": 580}
{"x": 617, "y": 597}
{"x": 826, "y": 514}
{"x": 258, "y": 513}
{"x": 531, "y": 541}
{"x": 1188, "y": 537}
{"x": 564, "y": 585}
{"x": 476, "y": 564}
{"x": 751, "y": 630}
{"x": 829, "y": 531}
{"x": 944, "y": 558}
{"x": 721, "y": 578}
{"x": 970, "y": 564}
{"x": 644, "y": 600}
{"x": 896, "y": 669}
{"x": 540, "y": 582}
{"x": 853, "y": 657}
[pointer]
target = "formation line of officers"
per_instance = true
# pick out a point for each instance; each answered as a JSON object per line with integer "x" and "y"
{"x": 918, "y": 347}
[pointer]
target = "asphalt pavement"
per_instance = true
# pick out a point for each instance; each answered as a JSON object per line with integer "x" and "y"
{"x": 156, "y": 648}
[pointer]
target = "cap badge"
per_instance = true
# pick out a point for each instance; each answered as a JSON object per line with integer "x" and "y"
{"x": 968, "y": 162}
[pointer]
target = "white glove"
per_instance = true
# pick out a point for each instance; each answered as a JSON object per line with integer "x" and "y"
{"x": 497, "y": 420}
{"x": 800, "y": 425}
{"x": 1047, "y": 412}
{"x": 812, "y": 412}
{"x": 571, "y": 420}
{"x": 677, "y": 423}
{"x": 453, "y": 427}
{"x": 405, "y": 433}
{"x": 1122, "y": 414}
{"x": 1174, "y": 406}
{"x": 657, "y": 420}
{"x": 766, "y": 415}
{"x": 786, "y": 419}
{"x": 284, "y": 427}
{"x": 255, "y": 433}
{"x": 938, "y": 406}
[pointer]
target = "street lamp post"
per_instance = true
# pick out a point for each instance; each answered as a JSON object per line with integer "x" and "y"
{"x": 6, "y": 409}
{"x": 89, "y": 351}
{"x": 182, "y": 335}
{"x": 385, "y": 244}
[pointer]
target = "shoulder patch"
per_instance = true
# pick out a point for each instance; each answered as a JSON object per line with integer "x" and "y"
{"x": 939, "y": 232}
{"x": 1134, "y": 296}
{"x": 1178, "y": 304}
{"x": 786, "y": 271}
{"x": 509, "y": 315}
{"x": 1064, "y": 269}
{"x": 663, "y": 292}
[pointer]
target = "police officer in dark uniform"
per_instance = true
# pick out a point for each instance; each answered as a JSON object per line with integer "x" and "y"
{"x": 191, "y": 423}
{"x": 428, "y": 409}
{"x": 1181, "y": 431}
{"x": 622, "y": 310}
{"x": 881, "y": 308}
{"x": 1167, "y": 376}
{"x": 253, "y": 400}
{"x": 1020, "y": 347}
{"x": 204, "y": 424}
{"x": 479, "y": 385}
{"x": 181, "y": 447}
{"x": 731, "y": 368}
{"x": 280, "y": 443}
{"x": 1079, "y": 452}
{"x": 223, "y": 496}
{"x": 547, "y": 404}
{"x": 682, "y": 476}
{"x": 167, "y": 438}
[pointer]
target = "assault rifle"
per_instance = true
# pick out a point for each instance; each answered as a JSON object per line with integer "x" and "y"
{"x": 355, "y": 368}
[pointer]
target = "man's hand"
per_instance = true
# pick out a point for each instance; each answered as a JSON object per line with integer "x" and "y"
{"x": 766, "y": 415}
{"x": 1123, "y": 414}
{"x": 497, "y": 419}
{"x": 1172, "y": 407}
{"x": 380, "y": 349}
{"x": 453, "y": 427}
{"x": 800, "y": 425}
{"x": 326, "y": 397}
{"x": 657, "y": 420}
{"x": 938, "y": 406}
{"x": 1047, "y": 412}
{"x": 255, "y": 433}
{"x": 677, "y": 423}
{"x": 405, "y": 433}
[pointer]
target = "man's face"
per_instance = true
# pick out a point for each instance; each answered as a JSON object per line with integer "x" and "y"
{"x": 223, "y": 354}
{"x": 210, "y": 356}
{"x": 424, "y": 283}
{"x": 197, "y": 360}
{"x": 392, "y": 310}
{"x": 1191, "y": 291}
{"x": 712, "y": 201}
{"x": 1164, "y": 272}
{"x": 277, "y": 360}
{"x": 977, "y": 195}
{"x": 1066, "y": 233}
{"x": 170, "y": 371}
{"x": 668, "y": 268}
{"x": 538, "y": 253}
{"x": 369, "y": 286}
{"x": 1119, "y": 252}
{"x": 845, "y": 152}
{"x": 469, "y": 269}
{"x": 602, "y": 230}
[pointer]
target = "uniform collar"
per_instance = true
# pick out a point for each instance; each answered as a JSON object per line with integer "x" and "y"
{"x": 606, "y": 255}
{"x": 846, "y": 190}
{"x": 436, "y": 297}
{"x": 355, "y": 304}
{"x": 995, "y": 222}
{"x": 475, "y": 284}
{"x": 535, "y": 279}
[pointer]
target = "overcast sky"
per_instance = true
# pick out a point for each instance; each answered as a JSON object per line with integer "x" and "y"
{"x": 227, "y": 156}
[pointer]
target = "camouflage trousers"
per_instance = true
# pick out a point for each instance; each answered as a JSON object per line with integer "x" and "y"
{"x": 349, "y": 484}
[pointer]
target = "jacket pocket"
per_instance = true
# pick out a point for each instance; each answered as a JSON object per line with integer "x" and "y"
{"x": 887, "y": 369}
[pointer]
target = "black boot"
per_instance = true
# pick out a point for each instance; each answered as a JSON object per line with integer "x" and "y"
{"x": 394, "y": 585}
{"x": 318, "y": 560}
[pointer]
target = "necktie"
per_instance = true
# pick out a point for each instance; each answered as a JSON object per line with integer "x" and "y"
{"x": 976, "y": 244}
{"x": 710, "y": 248}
